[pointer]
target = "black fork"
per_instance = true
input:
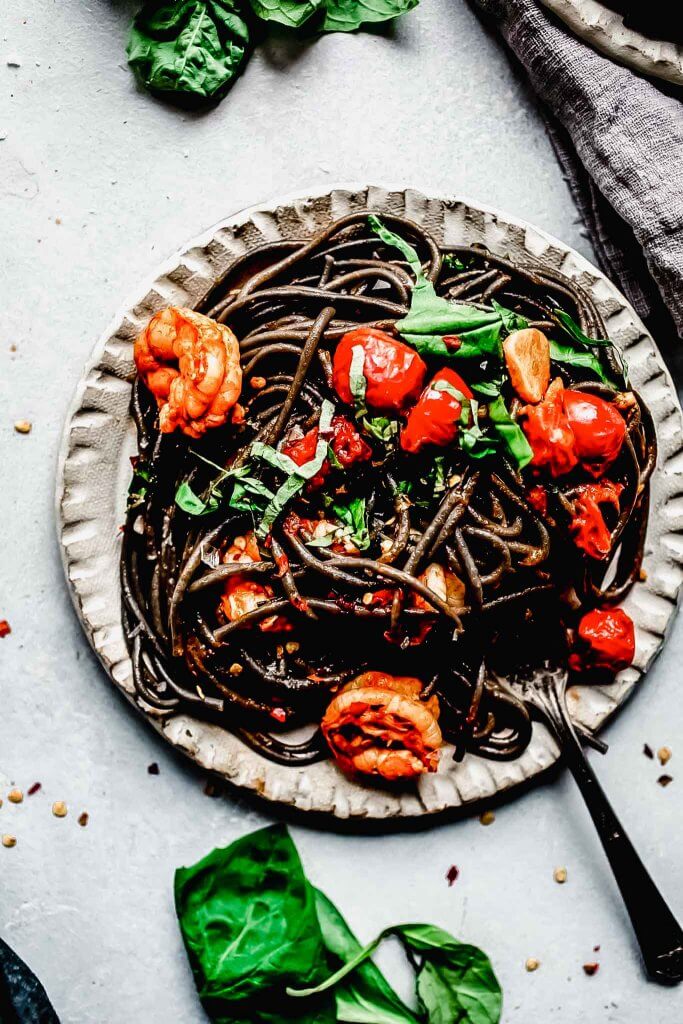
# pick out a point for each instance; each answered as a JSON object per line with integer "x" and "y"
{"x": 658, "y": 932}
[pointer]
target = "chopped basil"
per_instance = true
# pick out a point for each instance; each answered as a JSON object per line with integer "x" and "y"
{"x": 357, "y": 382}
{"x": 453, "y": 262}
{"x": 188, "y": 501}
{"x": 472, "y": 438}
{"x": 489, "y": 388}
{"x": 296, "y": 475}
{"x": 384, "y": 429}
{"x": 332, "y": 456}
{"x": 353, "y": 516}
{"x": 510, "y": 433}
{"x": 439, "y": 475}
{"x": 246, "y": 492}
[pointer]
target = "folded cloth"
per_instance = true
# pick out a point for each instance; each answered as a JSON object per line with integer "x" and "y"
{"x": 23, "y": 999}
{"x": 619, "y": 138}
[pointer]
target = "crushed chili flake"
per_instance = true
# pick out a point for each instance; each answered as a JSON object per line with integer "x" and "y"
{"x": 211, "y": 788}
{"x": 487, "y": 818}
{"x": 279, "y": 714}
{"x": 5, "y": 628}
{"x": 591, "y": 969}
{"x": 664, "y": 755}
{"x": 83, "y": 819}
{"x": 664, "y": 780}
{"x": 452, "y": 874}
{"x": 596, "y": 949}
{"x": 648, "y": 751}
{"x": 153, "y": 768}
{"x": 35, "y": 788}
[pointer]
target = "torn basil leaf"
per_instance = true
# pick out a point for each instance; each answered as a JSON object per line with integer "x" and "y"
{"x": 353, "y": 516}
{"x": 188, "y": 501}
{"x": 572, "y": 356}
{"x": 510, "y": 433}
{"x": 583, "y": 341}
{"x": 189, "y": 51}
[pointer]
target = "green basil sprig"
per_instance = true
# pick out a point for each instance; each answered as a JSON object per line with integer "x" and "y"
{"x": 267, "y": 948}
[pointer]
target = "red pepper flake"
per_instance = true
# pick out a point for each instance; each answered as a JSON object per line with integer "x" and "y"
{"x": 212, "y": 788}
{"x": 153, "y": 768}
{"x": 83, "y": 819}
{"x": 35, "y": 788}
{"x": 279, "y": 714}
{"x": 5, "y": 628}
{"x": 452, "y": 874}
{"x": 591, "y": 969}
{"x": 665, "y": 780}
{"x": 647, "y": 750}
{"x": 596, "y": 949}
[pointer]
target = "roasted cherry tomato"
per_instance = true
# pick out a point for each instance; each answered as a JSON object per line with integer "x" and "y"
{"x": 598, "y": 430}
{"x": 587, "y": 526}
{"x": 548, "y": 432}
{"x": 346, "y": 443}
{"x": 394, "y": 373}
{"x": 607, "y": 640}
{"x": 434, "y": 420}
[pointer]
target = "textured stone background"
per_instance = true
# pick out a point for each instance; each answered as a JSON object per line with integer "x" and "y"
{"x": 98, "y": 183}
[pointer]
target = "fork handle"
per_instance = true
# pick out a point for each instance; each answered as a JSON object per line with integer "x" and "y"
{"x": 658, "y": 932}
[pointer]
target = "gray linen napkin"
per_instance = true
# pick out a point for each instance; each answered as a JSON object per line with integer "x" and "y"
{"x": 619, "y": 139}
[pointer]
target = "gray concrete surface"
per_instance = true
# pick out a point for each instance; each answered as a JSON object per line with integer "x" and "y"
{"x": 98, "y": 183}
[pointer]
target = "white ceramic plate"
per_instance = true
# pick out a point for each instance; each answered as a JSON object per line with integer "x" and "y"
{"x": 94, "y": 473}
{"x": 605, "y": 30}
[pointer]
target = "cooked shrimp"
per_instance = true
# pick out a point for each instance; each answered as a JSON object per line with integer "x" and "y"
{"x": 377, "y": 725}
{"x": 242, "y": 594}
{"x": 191, "y": 364}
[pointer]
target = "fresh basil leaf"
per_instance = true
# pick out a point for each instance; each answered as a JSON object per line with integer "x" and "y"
{"x": 347, "y": 15}
{"x": 353, "y": 516}
{"x": 246, "y": 494}
{"x": 189, "y": 50}
{"x": 511, "y": 321}
{"x": 365, "y": 996}
{"x": 489, "y": 388}
{"x": 248, "y": 919}
{"x": 439, "y": 475}
{"x": 455, "y": 982}
{"x": 291, "y": 13}
{"x": 188, "y": 501}
{"x": 571, "y": 356}
{"x": 574, "y": 331}
{"x": 358, "y": 385}
{"x": 472, "y": 438}
{"x": 510, "y": 433}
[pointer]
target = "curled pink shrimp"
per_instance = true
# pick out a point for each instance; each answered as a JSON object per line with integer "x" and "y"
{"x": 378, "y": 725}
{"x": 191, "y": 364}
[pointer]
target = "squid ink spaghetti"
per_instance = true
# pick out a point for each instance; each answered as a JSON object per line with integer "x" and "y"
{"x": 375, "y": 478}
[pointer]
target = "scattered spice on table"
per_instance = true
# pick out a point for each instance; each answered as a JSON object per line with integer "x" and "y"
{"x": 83, "y": 819}
{"x": 59, "y": 809}
{"x": 23, "y": 426}
{"x": 487, "y": 818}
{"x": 532, "y": 964}
{"x": 15, "y": 796}
{"x": 665, "y": 780}
{"x": 647, "y": 750}
{"x": 664, "y": 755}
{"x": 596, "y": 949}
{"x": 452, "y": 874}
{"x": 5, "y": 628}
{"x": 212, "y": 788}
{"x": 9, "y": 841}
{"x": 35, "y": 788}
{"x": 153, "y": 768}
{"x": 591, "y": 969}
{"x": 560, "y": 875}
